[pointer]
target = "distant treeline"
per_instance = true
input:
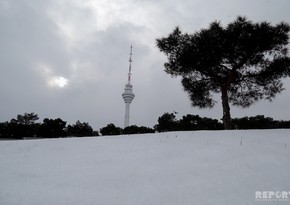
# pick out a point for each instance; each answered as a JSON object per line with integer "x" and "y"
{"x": 168, "y": 122}
{"x": 26, "y": 126}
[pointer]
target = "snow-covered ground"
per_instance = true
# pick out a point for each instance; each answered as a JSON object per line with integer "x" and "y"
{"x": 175, "y": 168}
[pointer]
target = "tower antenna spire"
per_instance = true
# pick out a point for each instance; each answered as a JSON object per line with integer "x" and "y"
{"x": 130, "y": 65}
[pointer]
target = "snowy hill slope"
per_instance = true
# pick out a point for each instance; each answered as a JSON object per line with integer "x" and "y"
{"x": 184, "y": 168}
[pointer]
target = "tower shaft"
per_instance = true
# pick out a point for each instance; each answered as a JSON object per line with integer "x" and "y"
{"x": 127, "y": 115}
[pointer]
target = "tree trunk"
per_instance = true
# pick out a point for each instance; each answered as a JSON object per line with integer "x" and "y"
{"x": 226, "y": 109}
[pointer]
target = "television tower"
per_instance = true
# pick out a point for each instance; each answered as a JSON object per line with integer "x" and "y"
{"x": 128, "y": 94}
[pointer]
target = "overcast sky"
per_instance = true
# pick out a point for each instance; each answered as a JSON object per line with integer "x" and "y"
{"x": 69, "y": 58}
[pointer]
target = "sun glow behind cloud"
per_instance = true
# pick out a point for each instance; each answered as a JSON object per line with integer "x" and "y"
{"x": 53, "y": 81}
{"x": 58, "y": 81}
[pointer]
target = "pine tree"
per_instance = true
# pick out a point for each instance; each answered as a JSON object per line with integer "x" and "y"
{"x": 243, "y": 61}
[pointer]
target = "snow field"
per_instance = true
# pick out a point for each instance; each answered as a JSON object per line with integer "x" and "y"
{"x": 184, "y": 168}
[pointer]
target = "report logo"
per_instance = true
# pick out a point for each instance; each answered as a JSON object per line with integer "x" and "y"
{"x": 272, "y": 196}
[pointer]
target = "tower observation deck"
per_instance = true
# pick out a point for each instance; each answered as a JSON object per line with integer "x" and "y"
{"x": 128, "y": 94}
